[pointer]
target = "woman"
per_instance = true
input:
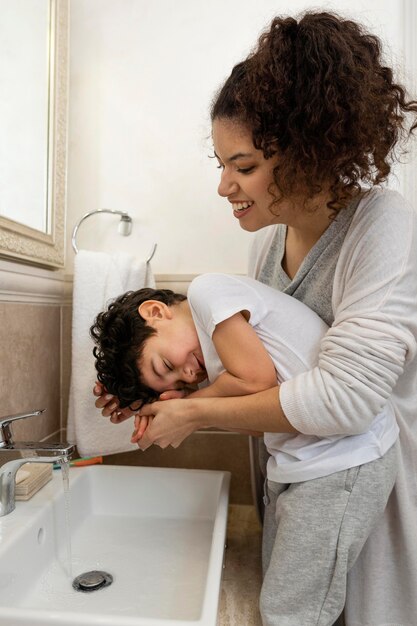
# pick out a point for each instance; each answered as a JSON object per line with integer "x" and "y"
{"x": 305, "y": 130}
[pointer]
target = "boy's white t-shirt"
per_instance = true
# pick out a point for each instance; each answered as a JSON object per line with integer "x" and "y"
{"x": 291, "y": 333}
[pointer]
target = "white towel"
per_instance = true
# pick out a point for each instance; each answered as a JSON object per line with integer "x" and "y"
{"x": 98, "y": 278}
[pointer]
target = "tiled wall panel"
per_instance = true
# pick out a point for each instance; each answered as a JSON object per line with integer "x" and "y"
{"x": 30, "y": 374}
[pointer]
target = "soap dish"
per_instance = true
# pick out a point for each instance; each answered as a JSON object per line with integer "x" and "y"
{"x": 35, "y": 476}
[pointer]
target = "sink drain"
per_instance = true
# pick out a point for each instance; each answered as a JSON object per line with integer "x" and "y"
{"x": 92, "y": 581}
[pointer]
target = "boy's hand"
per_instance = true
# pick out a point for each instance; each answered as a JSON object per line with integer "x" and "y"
{"x": 141, "y": 424}
{"x": 109, "y": 405}
{"x": 172, "y": 394}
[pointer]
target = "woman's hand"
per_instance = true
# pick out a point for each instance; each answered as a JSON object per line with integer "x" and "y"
{"x": 109, "y": 405}
{"x": 142, "y": 421}
{"x": 172, "y": 422}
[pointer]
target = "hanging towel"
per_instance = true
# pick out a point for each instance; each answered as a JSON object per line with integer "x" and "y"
{"x": 98, "y": 279}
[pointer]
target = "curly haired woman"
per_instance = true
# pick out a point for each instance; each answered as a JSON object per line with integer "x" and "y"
{"x": 305, "y": 131}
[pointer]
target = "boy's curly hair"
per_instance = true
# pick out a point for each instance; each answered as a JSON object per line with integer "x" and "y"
{"x": 316, "y": 93}
{"x": 120, "y": 334}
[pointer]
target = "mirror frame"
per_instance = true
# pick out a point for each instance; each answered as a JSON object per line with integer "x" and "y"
{"x": 17, "y": 241}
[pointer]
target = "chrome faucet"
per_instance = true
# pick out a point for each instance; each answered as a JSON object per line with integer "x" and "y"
{"x": 36, "y": 452}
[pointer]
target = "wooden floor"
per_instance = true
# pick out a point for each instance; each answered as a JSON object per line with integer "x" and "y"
{"x": 242, "y": 574}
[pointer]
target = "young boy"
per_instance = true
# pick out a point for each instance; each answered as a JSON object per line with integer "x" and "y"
{"x": 245, "y": 337}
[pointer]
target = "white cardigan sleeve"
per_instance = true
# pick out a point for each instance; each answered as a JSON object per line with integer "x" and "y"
{"x": 374, "y": 334}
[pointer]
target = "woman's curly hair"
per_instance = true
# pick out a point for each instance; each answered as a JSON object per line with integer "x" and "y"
{"x": 120, "y": 334}
{"x": 316, "y": 93}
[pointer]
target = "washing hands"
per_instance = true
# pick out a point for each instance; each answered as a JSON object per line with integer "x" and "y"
{"x": 110, "y": 407}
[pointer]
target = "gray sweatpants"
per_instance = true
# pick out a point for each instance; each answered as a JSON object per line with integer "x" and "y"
{"x": 313, "y": 533}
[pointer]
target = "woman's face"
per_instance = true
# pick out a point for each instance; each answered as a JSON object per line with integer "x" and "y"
{"x": 246, "y": 177}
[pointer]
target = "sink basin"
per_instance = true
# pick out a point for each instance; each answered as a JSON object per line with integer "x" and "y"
{"x": 159, "y": 533}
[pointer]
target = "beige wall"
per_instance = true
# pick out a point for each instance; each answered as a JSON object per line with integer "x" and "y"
{"x": 35, "y": 361}
{"x": 34, "y": 350}
{"x": 31, "y": 372}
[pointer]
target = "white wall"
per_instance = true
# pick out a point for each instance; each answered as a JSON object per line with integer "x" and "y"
{"x": 143, "y": 73}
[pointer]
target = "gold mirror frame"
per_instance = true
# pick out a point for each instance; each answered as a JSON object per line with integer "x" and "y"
{"x": 20, "y": 242}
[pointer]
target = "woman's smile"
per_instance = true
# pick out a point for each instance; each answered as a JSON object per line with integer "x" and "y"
{"x": 241, "y": 208}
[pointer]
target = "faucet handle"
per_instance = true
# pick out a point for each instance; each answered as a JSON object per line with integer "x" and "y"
{"x": 5, "y": 432}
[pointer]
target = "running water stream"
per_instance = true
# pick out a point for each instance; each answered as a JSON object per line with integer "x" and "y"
{"x": 65, "y": 479}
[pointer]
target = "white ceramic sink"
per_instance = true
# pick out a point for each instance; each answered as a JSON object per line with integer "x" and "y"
{"x": 159, "y": 532}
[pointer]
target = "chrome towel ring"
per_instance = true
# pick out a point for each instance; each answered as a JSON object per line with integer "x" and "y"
{"x": 124, "y": 228}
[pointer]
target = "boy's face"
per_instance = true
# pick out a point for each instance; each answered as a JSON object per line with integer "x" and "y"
{"x": 172, "y": 357}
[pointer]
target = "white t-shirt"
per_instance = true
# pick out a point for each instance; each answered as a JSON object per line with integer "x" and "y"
{"x": 291, "y": 333}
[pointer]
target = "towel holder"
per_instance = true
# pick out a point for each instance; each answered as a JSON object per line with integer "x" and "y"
{"x": 124, "y": 228}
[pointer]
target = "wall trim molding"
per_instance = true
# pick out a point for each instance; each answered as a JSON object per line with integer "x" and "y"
{"x": 34, "y": 285}
{"x": 176, "y": 282}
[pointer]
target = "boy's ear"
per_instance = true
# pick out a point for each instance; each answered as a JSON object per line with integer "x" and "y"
{"x": 152, "y": 311}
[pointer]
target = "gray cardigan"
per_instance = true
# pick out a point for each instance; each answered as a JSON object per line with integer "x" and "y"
{"x": 361, "y": 277}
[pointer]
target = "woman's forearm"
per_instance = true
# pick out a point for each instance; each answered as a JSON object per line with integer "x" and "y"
{"x": 260, "y": 411}
{"x": 227, "y": 385}
{"x": 175, "y": 420}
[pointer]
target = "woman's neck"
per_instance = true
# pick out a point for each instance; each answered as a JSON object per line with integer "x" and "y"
{"x": 308, "y": 229}
{"x": 303, "y": 231}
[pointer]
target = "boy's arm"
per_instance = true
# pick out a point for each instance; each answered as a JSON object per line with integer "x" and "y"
{"x": 249, "y": 368}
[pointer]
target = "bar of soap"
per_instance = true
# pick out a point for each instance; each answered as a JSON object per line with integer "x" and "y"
{"x": 38, "y": 474}
{"x": 21, "y": 475}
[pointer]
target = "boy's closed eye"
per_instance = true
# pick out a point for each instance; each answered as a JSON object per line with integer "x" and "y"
{"x": 163, "y": 372}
